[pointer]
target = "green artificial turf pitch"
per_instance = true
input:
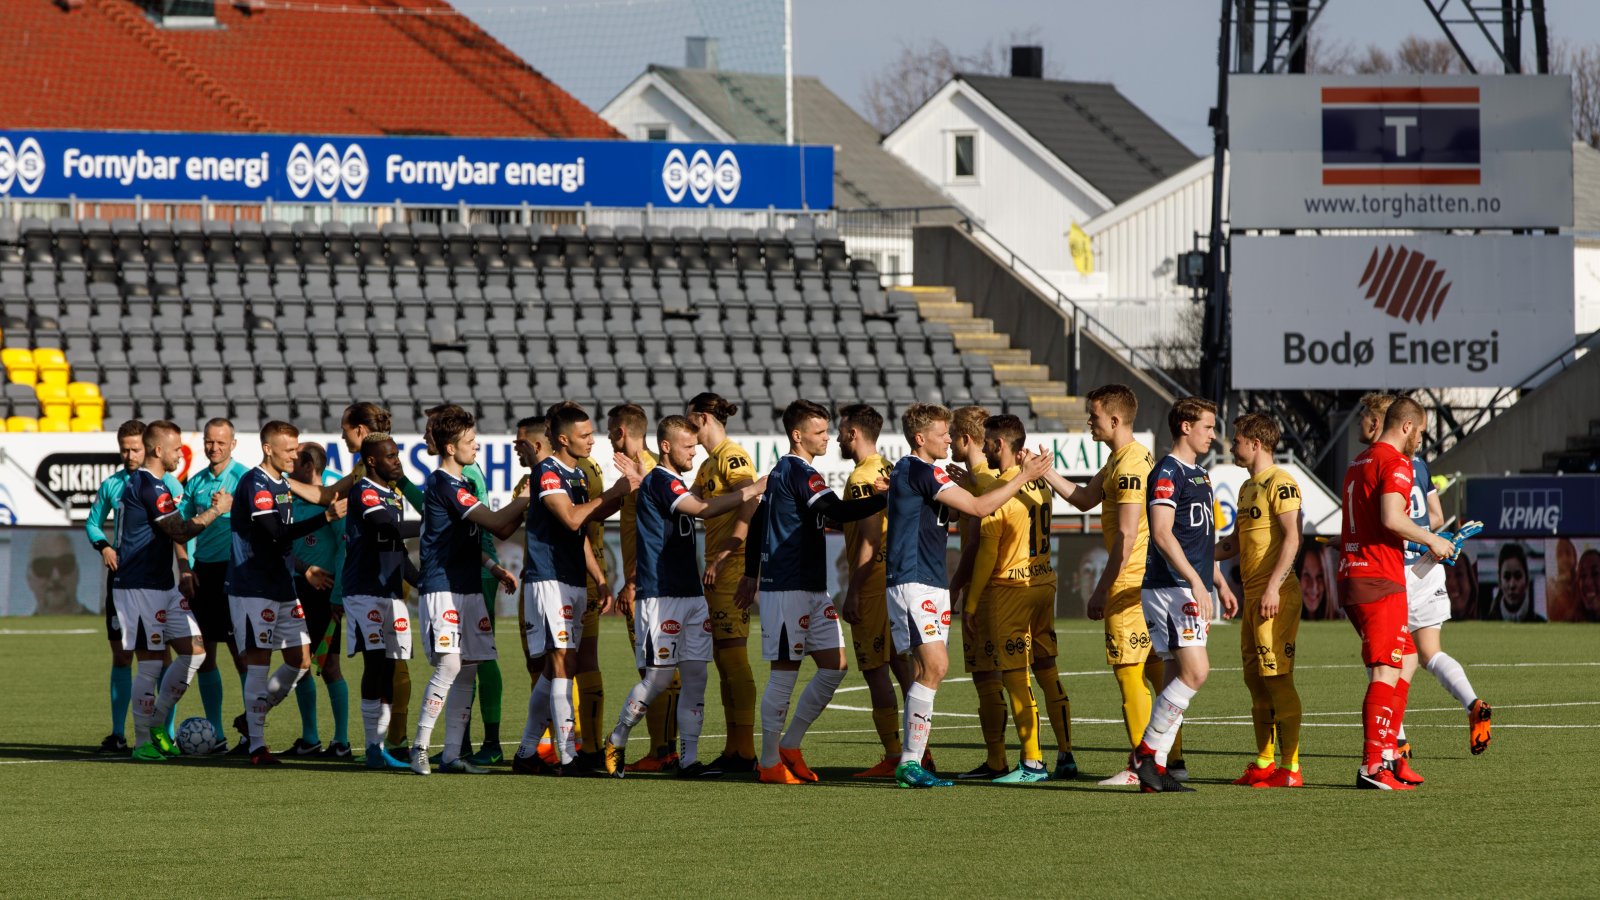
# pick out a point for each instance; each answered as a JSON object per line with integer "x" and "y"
{"x": 1519, "y": 820}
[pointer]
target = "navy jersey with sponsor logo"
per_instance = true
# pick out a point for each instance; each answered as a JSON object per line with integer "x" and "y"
{"x": 1187, "y": 489}
{"x": 553, "y": 551}
{"x": 452, "y": 555}
{"x": 918, "y": 524}
{"x": 665, "y": 551}
{"x": 374, "y": 564}
{"x": 259, "y": 566}
{"x": 792, "y": 557}
{"x": 1417, "y": 506}
{"x": 144, "y": 556}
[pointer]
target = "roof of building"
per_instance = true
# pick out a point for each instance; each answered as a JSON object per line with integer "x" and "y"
{"x": 750, "y": 108}
{"x": 1092, "y": 128}
{"x": 387, "y": 67}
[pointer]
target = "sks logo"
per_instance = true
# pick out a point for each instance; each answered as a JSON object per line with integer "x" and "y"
{"x": 327, "y": 170}
{"x": 1405, "y": 284}
{"x": 22, "y": 165}
{"x": 1401, "y": 136}
{"x": 698, "y": 177}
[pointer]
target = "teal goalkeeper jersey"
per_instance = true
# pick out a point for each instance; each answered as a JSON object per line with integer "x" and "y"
{"x": 323, "y": 548}
{"x": 215, "y": 543}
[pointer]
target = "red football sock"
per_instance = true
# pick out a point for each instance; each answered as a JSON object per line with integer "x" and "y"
{"x": 1377, "y": 716}
{"x": 1402, "y": 690}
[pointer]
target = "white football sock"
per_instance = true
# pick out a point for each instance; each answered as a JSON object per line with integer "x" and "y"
{"x": 371, "y": 714}
{"x": 256, "y": 705}
{"x": 175, "y": 683}
{"x": 145, "y": 685}
{"x": 538, "y": 719}
{"x": 433, "y": 699}
{"x": 655, "y": 682}
{"x": 282, "y": 683}
{"x": 1453, "y": 678}
{"x": 774, "y": 710}
{"x": 918, "y": 722}
{"x": 458, "y": 710}
{"x": 691, "y": 709}
{"x": 563, "y": 719}
{"x": 813, "y": 700}
{"x": 1166, "y": 717}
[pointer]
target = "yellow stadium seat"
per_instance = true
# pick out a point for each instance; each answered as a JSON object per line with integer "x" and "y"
{"x": 88, "y": 423}
{"x": 52, "y": 365}
{"x": 53, "y": 401}
{"x": 52, "y": 423}
{"x": 19, "y": 365}
{"x": 86, "y": 399}
{"x": 22, "y": 423}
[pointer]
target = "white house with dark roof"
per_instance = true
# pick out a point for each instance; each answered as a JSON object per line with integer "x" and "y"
{"x": 1030, "y": 157}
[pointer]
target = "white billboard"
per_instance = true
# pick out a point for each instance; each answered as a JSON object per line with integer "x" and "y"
{"x": 1398, "y": 311}
{"x": 1400, "y": 151}
{"x": 41, "y": 469}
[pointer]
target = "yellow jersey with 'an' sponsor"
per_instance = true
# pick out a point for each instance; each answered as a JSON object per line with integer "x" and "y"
{"x": 1020, "y": 531}
{"x": 724, "y": 470}
{"x": 596, "y": 483}
{"x": 862, "y": 484}
{"x": 1261, "y": 500}
{"x": 1123, "y": 479}
{"x": 630, "y": 516}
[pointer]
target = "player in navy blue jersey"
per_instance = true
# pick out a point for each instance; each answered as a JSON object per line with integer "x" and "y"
{"x": 153, "y": 612}
{"x": 261, "y": 593}
{"x": 376, "y": 569}
{"x": 1180, "y": 576}
{"x": 672, "y": 622}
{"x": 556, "y": 567}
{"x": 921, "y": 494}
{"x": 457, "y": 629}
{"x": 785, "y": 552}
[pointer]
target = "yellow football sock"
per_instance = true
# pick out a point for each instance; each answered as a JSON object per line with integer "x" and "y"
{"x": 400, "y": 705}
{"x": 1260, "y": 713}
{"x": 887, "y": 721}
{"x": 738, "y": 699}
{"x": 656, "y": 716}
{"x": 1286, "y": 710}
{"x": 1057, "y": 705}
{"x": 590, "y": 702}
{"x": 668, "y": 702}
{"x": 1024, "y": 712}
{"x": 1135, "y": 700}
{"x": 992, "y": 720}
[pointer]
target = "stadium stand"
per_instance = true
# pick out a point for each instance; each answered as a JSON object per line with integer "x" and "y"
{"x": 262, "y": 320}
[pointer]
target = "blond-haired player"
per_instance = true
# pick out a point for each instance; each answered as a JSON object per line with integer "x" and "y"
{"x": 726, "y": 467}
{"x": 1013, "y": 578}
{"x": 1266, "y": 538}
{"x": 1119, "y": 490}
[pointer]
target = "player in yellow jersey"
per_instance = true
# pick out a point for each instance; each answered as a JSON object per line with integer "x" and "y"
{"x": 1013, "y": 578}
{"x": 727, "y": 467}
{"x": 866, "y": 605}
{"x": 1119, "y": 490}
{"x": 977, "y": 649}
{"x": 625, "y": 428}
{"x": 588, "y": 684}
{"x": 1266, "y": 538}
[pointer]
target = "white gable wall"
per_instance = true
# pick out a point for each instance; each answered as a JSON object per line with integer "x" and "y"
{"x": 1136, "y": 244}
{"x": 644, "y": 104}
{"x": 1021, "y": 197}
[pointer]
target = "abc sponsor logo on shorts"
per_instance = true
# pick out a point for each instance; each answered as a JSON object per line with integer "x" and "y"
{"x": 671, "y": 626}
{"x": 161, "y": 616}
{"x": 697, "y": 177}
{"x": 566, "y": 613}
{"x": 833, "y": 615}
{"x": 22, "y": 165}
{"x": 453, "y": 617}
{"x": 944, "y": 618}
{"x": 299, "y": 612}
{"x": 928, "y": 606}
{"x": 327, "y": 170}
{"x": 268, "y": 615}
{"x": 374, "y": 616}
{"x": 484, "y": 625}
{"x": 400, "y": 625}
{"x": 805, "y": 622}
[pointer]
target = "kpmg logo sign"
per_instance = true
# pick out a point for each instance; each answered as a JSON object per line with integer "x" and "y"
{"x": 327, "y": 171}
{"x": 1401, "y": 135}
{"x": 698, "y": 178}
{"x": 1405, "y": 284}
{"x": 1536, "y": 509}
{"x": 22, "y": 165}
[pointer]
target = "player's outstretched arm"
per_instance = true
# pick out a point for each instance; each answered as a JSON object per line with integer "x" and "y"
{"x": 1081, "y": 496}
{"x": 691, "y": 505}
{"x": 268, "y": 525}
{"x": 1395, "y": 517}
{"x": 319, "y": 494}
{"x": 957, "y": 498}
{"x": 180, "y": 530}
{"x": 840, "y": 511}
{"x": 502, "y": 522}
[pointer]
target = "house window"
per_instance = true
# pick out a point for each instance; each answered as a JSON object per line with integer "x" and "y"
{"x": 655, "y": 132}
{"x": 964, "y": 156}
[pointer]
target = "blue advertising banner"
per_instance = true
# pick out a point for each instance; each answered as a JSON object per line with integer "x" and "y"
{"x": 252, "y": 168}
{"x": 1535, "y": 505}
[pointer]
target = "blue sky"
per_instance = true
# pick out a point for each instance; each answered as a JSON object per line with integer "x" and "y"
{"x": 1161, "y": 53}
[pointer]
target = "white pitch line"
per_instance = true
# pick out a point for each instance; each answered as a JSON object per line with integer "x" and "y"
{"x": 27, "y": 631}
